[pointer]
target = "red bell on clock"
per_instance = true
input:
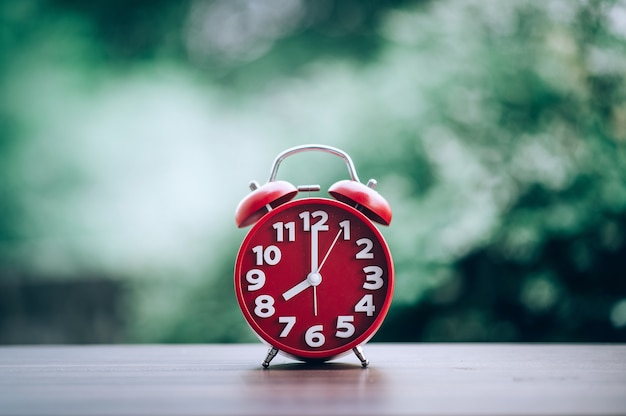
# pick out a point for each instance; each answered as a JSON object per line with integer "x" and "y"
{"x": 314, "y": 276}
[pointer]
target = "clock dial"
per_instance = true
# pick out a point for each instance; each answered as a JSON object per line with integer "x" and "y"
{"x": 314, "y": 278}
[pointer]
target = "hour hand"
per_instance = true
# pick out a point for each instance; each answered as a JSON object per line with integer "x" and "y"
{"x": 313, "y": 279}
{"x": 296, "y": 289}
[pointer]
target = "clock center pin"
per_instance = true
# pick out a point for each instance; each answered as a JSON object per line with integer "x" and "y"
{"x": 314, "y": 278}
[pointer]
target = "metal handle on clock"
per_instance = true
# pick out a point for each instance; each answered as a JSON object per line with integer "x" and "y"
{"x": 313, "y": 147}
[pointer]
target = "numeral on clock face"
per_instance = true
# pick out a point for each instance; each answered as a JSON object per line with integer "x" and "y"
{"x": 281, "y": 226}
{"x": 366, "y": 252}
{"x": 373, "y": 278}
{"x": 345, "y": 328}
{"x": 271, "y": 255}
{"x": 289, "y": 322}
{"x": 256, "y": 278}
{"x": 314, "y": 336}
{"x": 264, "y": 306}
{"x": 320, "y": 225}
{"x": 366, "y": 304}
{"x": 345, "y": 228}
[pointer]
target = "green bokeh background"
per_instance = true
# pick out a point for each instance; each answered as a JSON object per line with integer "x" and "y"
{"x": 129, "y": 131}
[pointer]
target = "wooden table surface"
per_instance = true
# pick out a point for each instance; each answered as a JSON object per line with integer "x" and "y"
{"x": 229, "y": 380}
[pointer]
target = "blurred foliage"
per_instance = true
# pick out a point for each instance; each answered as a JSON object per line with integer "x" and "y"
{"x": 497, "y": 131}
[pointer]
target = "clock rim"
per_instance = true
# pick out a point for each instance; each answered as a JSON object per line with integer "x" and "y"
{"x": 315, "y": 354}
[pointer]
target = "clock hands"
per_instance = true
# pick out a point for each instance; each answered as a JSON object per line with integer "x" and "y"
{"x": 314, "y": 278}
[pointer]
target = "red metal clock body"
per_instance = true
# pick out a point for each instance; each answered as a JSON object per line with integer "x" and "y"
{"x": 314, "y": 276}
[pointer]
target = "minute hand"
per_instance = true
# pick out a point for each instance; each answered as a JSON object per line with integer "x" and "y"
{"x": 330, "y": 249}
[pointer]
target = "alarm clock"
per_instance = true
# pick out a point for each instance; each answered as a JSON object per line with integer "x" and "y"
{"x": 314, "y": 276}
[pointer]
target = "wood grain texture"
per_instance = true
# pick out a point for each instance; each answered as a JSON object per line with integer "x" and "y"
{"x": 228, "y": 380}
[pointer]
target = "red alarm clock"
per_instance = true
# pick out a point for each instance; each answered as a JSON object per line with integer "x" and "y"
{"x": 314, "y": 276}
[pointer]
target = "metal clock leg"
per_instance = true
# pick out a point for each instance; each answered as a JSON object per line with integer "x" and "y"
{"x": 270, "y": 356}
{"x": 359, "y": 353}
